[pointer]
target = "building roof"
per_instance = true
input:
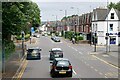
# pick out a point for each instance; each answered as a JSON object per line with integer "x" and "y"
{"x": 118, "y": 13}
{"x": 103, "y": 13}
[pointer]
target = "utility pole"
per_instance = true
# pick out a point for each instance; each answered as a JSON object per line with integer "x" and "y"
{"x": 65, "y": 22}
{"x": 23, "y": 34}
{"x": 107, "y": 34}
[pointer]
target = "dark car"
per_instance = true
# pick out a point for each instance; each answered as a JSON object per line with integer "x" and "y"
{"x": 33, "y": 53}
{"x": 61, "y": 66}
{"x": 56, "y": 53}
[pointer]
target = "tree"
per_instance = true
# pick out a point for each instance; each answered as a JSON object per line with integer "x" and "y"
{"x": 17, "y": 15}
{"x": 111, "y": 5}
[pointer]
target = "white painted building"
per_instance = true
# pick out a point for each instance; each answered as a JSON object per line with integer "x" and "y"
{"x": 106, "y": 21}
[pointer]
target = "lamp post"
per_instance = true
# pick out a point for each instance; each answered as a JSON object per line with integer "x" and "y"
{"x": 23, "y": 34}
{"x": 107, "y": 34}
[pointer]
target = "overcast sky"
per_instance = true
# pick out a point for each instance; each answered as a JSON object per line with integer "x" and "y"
{"x": 52, "y": 8}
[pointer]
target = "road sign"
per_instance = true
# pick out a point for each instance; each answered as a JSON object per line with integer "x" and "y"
{"x": 32, "y": 30}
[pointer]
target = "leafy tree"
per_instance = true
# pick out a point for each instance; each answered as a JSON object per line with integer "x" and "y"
{"x": 17, "y": 16}
{"x": 113, "y": 5}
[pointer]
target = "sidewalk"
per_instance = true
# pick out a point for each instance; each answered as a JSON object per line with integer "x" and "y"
{"x": 15, "y": 61}
{"x": 111, "y": 57}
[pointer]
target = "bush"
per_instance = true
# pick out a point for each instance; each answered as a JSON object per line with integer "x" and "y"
{"x": 9, "y": 48}
{"x": 80, "y": 37}
{"x": 19, "y": 37}
{"x": 27, "y": 36}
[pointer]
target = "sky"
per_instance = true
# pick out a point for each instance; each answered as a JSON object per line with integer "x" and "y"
{"x": 52, "y": 10}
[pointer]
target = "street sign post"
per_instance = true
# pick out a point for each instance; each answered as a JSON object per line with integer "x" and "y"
{"x": 32, "y": 30}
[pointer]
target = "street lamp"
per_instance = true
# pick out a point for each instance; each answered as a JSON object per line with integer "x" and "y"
{"x": 23, "y": 34}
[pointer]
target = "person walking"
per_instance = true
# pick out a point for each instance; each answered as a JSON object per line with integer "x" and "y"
{"x": 73, "y": 40}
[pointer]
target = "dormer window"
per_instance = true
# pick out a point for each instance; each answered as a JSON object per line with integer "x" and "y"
{"x": 112, "y": 15}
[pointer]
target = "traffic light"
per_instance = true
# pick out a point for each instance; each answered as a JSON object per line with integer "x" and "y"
{"x": 107, "y": 34}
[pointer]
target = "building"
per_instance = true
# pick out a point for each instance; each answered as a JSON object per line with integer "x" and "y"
{"x": 105, "y": 22}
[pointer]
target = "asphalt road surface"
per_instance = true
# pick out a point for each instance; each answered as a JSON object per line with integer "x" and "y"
{"x": 84, "y": 64}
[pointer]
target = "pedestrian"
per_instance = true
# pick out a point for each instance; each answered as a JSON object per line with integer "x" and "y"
{"x": 73, "y": 40}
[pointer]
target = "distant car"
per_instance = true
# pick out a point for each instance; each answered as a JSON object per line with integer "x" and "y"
{"x": 53, "y": 37}
{"x": 56, "y": 39}
{"x": 61, "y": 66}
{"x": 56, "y": 53}
{"x": 33, "y": 53}
{"x": 37, "y": 35}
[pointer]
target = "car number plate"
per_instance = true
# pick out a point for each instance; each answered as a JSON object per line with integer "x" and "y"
{"x": 62, "y": 72}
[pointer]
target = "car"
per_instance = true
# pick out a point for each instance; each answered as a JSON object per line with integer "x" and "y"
{"x": 38, "y": 36}
{"x": 56, "y": 39}
{"x": 33, "y": 53}
{"x": 52, "y": 37}
{"x": 56, "y": 53}
{"x": 61, "y": 66}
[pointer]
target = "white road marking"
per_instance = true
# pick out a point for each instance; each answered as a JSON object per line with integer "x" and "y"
{"x": 106, "y": 77}
{"x": 91, "y": 67}
{"x": 100, "y": 73}
{"x": 80, "y": 52}
{"x": 74, "y": 72}
{"x": 75, "y": 49}
{"x": 96, "y": 70}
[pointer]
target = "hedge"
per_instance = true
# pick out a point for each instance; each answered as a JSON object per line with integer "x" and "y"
{"x": 19, "y": 37}
{"x": 9, "y": 48}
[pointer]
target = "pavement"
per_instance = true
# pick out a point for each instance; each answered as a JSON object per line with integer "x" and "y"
{"x": 13, "y": 65}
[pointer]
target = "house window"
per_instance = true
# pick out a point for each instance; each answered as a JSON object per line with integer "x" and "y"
{"x": 112, "y": 15}
{"x": 111, "y": 27}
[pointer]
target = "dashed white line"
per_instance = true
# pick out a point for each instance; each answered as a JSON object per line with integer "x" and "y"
{"x": 74, "y": 72}
{"x": 100, "y": 73}
{"x": 96, "y": 70}
{"x": 75, "y": 49}
{"x": 91, "y": 67}
{"x": 80, "y": 52}
{"x": 106, "y": 77}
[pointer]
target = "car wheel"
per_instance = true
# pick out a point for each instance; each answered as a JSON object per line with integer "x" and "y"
{"x": 70, "y": 75}
{"x": 52, "y": 74}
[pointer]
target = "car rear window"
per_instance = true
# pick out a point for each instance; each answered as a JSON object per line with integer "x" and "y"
{"x": 63, "y": 63}
{"x": 33, "y": 50}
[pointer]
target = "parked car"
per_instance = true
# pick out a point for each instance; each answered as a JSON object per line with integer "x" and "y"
{"x": 56, "y": 53}
{"x": 33, "y": 53}
{"x": 61, "y": 66}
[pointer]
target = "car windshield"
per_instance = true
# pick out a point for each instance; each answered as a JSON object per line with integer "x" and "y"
{"x": 63, "y": 63}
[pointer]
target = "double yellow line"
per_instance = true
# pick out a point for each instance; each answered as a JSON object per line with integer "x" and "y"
{"x": 23, "y": 67}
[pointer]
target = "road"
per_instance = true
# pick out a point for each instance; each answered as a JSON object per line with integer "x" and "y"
{"x": 84, "y": 64}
